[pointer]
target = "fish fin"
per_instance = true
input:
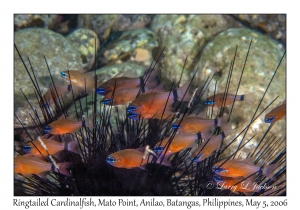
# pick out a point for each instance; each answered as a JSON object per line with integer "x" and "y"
{"x": 248, "y": 193}
{"x": 249, "y": 98}
{"x": 268, "y": 170}
{"x": 62, "y": 168}
{"x": 129, "y": 73}
{"x": 183, "y": 92}
{"x": 225, "y": 126}
{"x": 42, "y": 174}
{"x": 54, "y": 138}
{"x": 152, "y": 80}
{"x": 206, "y": 133}
{"x": 250, "y": 161}
{"x": 163, "y": 159}
{"x": 58, "y": 155}
{"x": 73, "y": 147}
{"x": 202, "y": 114}
{"x": 118, "y": 75}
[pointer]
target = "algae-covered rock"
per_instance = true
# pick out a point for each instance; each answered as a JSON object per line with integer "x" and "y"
{"x": 85, "y": 41}
{"x": 264, "y": 56}
{"x": 35, "y": 43}
{"x": 184, "y": 36}
{"x": 136, "y": 45}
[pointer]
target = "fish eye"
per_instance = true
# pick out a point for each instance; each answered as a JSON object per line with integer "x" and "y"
{"x": 217, "y": 169}
{"x": 27, "y": 149}
{"x": 269, "y": 119}
{"x": 110, "y": 160}
{"x": 106, "y": 101}
{"x": 158, "y": 149}
{"x": 47, "y": 129}
{"x": 218, "y": 178}
{"x": 209, "y": 102}
{"x": 100, "y": 91}
{"x": 63, "y": 74}
{"x": 132, "y": 115}
{"x": 130, "y": 108}
{"x": 175, "y": 126}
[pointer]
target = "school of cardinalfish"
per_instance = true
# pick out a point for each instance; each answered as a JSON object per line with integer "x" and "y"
{"x": 153, "y": 102}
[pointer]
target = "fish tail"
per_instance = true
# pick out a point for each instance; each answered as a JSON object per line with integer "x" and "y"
{"x": 89, "y": 122}
{"x": 62, "y": 168}
{"x": 268, "y": 170}
{"x": 163, "y": 159}
{"x": 183, "y": 93}
{"x": 248, "y": 98}
{"x": 72, "y": 146}
{"x": 152, "y": 79}
{"x": 224, "y": 125}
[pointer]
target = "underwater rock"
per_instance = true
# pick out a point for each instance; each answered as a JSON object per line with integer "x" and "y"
{"x": 273, "y": 25}
{"x": 264, "y": 56}
{"x": 101, "y": 24}
{"x": 84, "y": 41}
{"x": 37, "y": 20}
{"x": 35, "y": 43}
{"x": 129, "y": 46}
{"x": 184, "y": 36}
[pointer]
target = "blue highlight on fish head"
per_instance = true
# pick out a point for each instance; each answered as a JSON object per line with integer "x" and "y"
{"x": 110, "y": 160}
{"x": 218, "y": 178}
{"x": 176, "y": 126}
{"x": 63, "y": 74}
{"x": 27, "y": 149}
{"x": 197, "y": 158}
{"x": 133, "y": 116}
{"x": 158, "y": 149}
{"x": 47, "y": 129}
{"x": 100, "y": 91}
{"x": 209, "y": 102}
{"x": 130, "y": 108}
{"x": 269, "y": 119}
{"x": 217, "y": 169}
{"x": 106, "y": 101}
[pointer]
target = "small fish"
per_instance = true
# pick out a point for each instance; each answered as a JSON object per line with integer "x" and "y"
{"x": 27, "y": 165}
{"x": 242, "y": 168}
{"x": 195, "y": 124}
{"x": 276, "y": 114}
{"x": 129, "y": 158}
{"x": 246, "y": 186}
{"x": 121, "y": 96}
{"x": 217, "y": 100}
{"x": 63, "y": 126}
{"x": 154, "y": 104}
{"x": 35, "y": 148}
{"x": 207, "y": 147}
{"x": 179, "y": 142}
{"x": 51, "y": 95}
{"x": 126, "y": 82}
{"x": 79, "y": 80}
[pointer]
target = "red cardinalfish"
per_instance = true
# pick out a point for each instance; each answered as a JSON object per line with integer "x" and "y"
{"x": 127, "y": 82}
{"x": 51, "y": 95}
{"x": 151, "y": 104}
{"x": 217, "y": 100}
{"x": 276, "y": 114}
{"x": 27, "y": 165}
{"x": 246, "y": 186}
{"x": 242, "y": 168}
{"x": 63, "y": 126}
{"x": 207, "y": 147}
{"x": 179, "y": 142}
{"x": 49, "y": 147}
{"x": 130, "y": 158}
{"x": 195, "y": 124}
{"x": 79, "y": 80}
